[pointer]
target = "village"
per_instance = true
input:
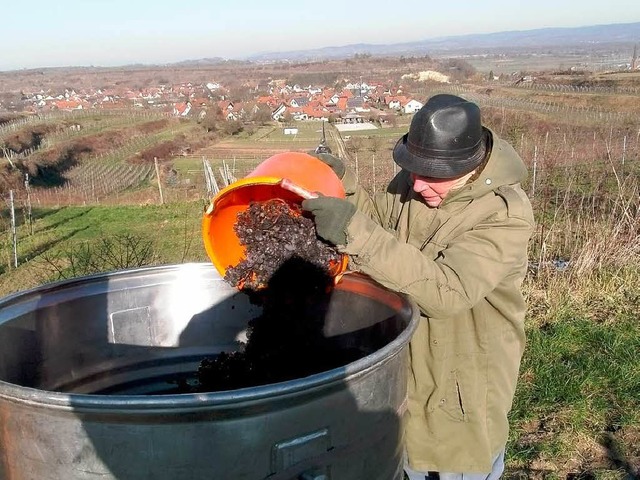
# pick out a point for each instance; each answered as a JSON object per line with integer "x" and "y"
{"x": 351, "y": 103}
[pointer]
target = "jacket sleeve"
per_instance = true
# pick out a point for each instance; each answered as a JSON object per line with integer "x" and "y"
{"x": 464, "y": 271}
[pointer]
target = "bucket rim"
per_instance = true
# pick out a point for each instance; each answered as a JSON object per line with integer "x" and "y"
{"x": 152, "y": 404}
{"x": 244, "y": 182}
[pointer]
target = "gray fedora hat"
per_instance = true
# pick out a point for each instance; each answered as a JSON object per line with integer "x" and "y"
{"x": 446, "y": 139}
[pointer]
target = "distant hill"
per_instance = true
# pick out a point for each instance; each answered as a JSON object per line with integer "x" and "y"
{"x": 586, "y": 37}
{"x": 199, "y": 62}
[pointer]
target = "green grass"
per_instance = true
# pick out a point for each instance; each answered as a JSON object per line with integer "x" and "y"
{"x": 393, "y": 132}
{"x": 173, "y": 229}
{"x": 183, "y": 165}
{"x": 578, "y": 396}
{"x": 591, "y": 367}
{"x": 307, "y": 131}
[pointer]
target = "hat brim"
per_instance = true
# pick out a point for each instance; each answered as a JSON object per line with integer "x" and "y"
{"x": 434, "y": 166}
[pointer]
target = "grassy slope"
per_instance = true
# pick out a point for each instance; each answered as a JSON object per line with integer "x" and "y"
{"x": 577, "y": 406}
{"x": 173, "y": 229}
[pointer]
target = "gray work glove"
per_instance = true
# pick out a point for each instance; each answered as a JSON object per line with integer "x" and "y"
{"x": 336, "y": 164}
{"x": 331, "y": 215}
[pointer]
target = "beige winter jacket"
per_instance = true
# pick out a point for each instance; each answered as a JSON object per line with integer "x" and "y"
{"x": 463, "y": 263}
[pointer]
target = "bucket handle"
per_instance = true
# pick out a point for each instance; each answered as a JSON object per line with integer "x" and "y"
{"x": 287, "y": 184}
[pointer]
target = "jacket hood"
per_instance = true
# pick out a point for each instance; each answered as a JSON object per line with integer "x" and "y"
{"x": 504, "y": 167}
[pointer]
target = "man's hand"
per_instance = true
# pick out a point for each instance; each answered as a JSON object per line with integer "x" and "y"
{"x": 336, "y": 164}
{"x": 332, "y": 215}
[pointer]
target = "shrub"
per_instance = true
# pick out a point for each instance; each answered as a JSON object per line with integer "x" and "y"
{"x": 116, "y": 252}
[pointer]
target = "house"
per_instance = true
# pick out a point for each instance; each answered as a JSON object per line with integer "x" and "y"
{"x": 334, "y": 98}
{"x": 67, "y": 105}
{"x": 395, "y": 102}
{"x": 299, "y": 102}
{"x": 357, "y": 104}
{"x": 268, "y": 100}
{"x": 297, "y": 114}
{"x": 279, "y": 112}
{"x": 225, "y": 106}
{"x": 352, "y": 118}
{"x": 181, "y": 109}
{"x": 342, "y": 103}
{"x": 316, "y": 113}
{"x": 412, "y": 106}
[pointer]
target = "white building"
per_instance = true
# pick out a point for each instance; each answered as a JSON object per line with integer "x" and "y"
{"x": 412, "y": 106}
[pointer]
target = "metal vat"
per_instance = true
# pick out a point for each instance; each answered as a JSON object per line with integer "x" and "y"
{"x": 84, "y": 390}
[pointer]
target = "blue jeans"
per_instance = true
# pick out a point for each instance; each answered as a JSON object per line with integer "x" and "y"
{"x": 496, "y": 470}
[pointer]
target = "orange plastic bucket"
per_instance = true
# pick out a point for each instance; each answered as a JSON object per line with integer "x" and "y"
{"x": 220, "y": 240}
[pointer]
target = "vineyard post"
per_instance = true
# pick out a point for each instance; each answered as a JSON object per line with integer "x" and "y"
{"x": 14, "y": 235}
{"x": 28, "y": 189}
{"x": 207, "y": 180}
{"x": 373, "y": 170}
{"x": 357, "y": 170}
{"x": 155, "y": 161}
{"x": 535, "y": 169}
{"x": 93, "y": 187}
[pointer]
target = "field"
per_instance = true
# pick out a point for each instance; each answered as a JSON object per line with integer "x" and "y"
{"x": 577, "y": 410}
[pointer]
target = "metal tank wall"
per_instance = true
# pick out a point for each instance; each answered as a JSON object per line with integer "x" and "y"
{"x": 85, "y": 384}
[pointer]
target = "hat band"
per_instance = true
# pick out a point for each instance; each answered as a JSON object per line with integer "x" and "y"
{"x": 445, "y": 154}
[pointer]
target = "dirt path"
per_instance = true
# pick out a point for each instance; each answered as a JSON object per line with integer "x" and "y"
{"x": 338, "y": 141}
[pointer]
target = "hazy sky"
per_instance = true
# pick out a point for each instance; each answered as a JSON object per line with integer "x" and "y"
{"x": 117, "y": 32}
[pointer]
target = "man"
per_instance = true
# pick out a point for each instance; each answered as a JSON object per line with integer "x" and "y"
{"x": 451, "y": 231}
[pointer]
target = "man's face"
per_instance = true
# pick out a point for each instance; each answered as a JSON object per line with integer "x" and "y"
{"x": 433, "y": 190}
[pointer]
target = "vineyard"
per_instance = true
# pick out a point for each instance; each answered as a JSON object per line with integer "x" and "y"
{"x": 92, "y": 182}
{"x": 89, "y": 156}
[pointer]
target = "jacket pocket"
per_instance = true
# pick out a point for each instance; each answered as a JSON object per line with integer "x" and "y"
{"x": 454, "y": 400}
{"x": 465, "y": 388}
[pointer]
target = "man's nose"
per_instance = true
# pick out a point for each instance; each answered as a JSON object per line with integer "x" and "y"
{"x": 420, "y": 186}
